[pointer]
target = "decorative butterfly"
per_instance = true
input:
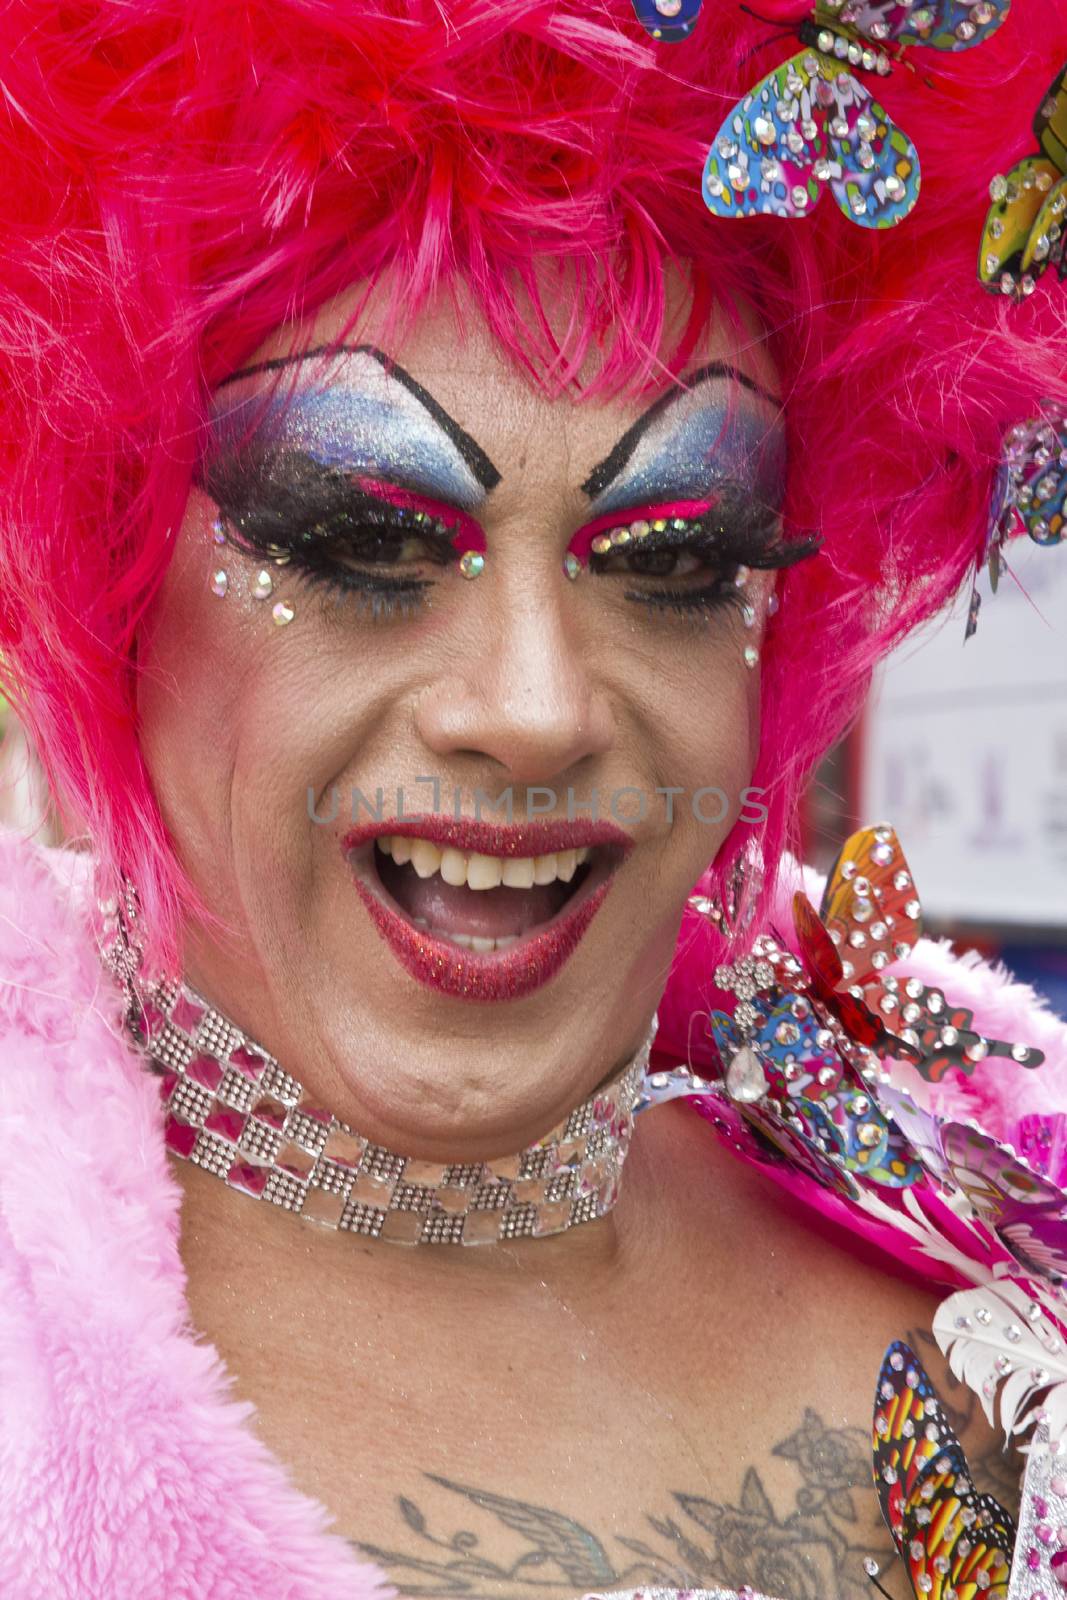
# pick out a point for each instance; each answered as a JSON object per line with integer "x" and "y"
{"x": 1024, "y": 227}
{"x": 668, "y": 20}
{"x": 1029, "y": 495}
{"x": 800, "y": 1052}
{"x": 1027, "y": 1212}
{"x": 870, "y": 916}
{"x": 810, "y": 122}
{"x": 953, "y": 1540}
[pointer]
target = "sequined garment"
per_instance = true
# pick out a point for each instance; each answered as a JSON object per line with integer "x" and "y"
{"x": 675, "y": 1594}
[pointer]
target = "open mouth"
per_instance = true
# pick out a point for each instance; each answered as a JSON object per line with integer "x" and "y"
{"x": 484, "y": 926}
{"x": 478, "y": 902}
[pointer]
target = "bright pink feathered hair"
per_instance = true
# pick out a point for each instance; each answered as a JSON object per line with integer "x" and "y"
{"x": 181, "y": 176}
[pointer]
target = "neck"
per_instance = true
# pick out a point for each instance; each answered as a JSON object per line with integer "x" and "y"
{"x": 234, "y": 1111}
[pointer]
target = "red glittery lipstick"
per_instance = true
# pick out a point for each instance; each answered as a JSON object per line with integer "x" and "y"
{"x": 535, "y": 955}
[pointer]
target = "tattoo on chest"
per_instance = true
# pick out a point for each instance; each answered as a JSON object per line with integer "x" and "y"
{"x": 811, "y": 1549}
{"x": 814, "y": 1551}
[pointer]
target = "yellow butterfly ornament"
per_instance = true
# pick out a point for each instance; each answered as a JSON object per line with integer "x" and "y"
{"x": 1024, "y": 228}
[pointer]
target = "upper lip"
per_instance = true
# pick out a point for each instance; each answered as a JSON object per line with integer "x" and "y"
{"x": 533, "y": 838}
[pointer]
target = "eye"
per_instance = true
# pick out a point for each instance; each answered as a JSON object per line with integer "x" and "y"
{"x": 382, "y": 546}
{"x": 677, "y": 562}
{"x": 654, "y": 563}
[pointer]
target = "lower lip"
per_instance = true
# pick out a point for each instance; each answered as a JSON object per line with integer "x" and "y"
{"x": 506, "y": 974}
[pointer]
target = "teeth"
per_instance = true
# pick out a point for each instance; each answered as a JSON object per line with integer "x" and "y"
{"x": 469, "y": 941}
{"x": 425, "y": 857}
{"x": 482, "y": 872}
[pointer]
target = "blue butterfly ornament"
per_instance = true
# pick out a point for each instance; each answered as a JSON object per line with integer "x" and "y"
{"x": 812, "y": 124}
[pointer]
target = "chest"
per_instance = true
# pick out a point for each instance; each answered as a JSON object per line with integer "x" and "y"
{"x": 616, "y": 1492}
{"x": 694, "y": 1411}
{"x": 544, "y": 1448}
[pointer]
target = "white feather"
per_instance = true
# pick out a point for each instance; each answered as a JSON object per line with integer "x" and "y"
{"x": 919, "y": 1227}
{"x": 971, "y": 1329}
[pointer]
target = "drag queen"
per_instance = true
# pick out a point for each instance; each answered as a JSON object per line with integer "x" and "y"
{"x": 458, "y": 477}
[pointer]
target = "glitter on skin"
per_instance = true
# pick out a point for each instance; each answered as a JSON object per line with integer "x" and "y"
{"x": 695, "y": 441}
{"x": 352, "y": 414}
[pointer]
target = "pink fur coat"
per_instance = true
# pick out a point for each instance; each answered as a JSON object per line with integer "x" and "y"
{"x": 127, "y": 1470}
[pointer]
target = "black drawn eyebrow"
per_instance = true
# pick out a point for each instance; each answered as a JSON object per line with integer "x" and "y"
{"x": 606, "y": 471}
{"x": 475, "y": 457}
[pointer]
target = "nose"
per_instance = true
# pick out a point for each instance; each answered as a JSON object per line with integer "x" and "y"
{"x": 526, "y": 696}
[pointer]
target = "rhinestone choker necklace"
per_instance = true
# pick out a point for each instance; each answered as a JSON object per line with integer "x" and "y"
{"x": 231, "y": 1109}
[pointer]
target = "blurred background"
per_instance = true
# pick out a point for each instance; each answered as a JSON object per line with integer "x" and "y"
{"x": 962, "y": 746}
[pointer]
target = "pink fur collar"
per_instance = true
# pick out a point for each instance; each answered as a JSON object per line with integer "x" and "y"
{"x": 126, "y": 1470}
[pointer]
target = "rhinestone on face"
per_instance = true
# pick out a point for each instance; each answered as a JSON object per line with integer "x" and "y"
{"x": 282, "y": 612}
{"x": 472, "y": 564}
{"x": 263, "y": 586}
{"x": 220, "y": 582}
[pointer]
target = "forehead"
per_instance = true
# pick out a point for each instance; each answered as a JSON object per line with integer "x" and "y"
{"x": 448, "y": 347}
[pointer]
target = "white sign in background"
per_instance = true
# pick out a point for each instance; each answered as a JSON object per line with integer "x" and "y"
{"x": 965, "y": 751}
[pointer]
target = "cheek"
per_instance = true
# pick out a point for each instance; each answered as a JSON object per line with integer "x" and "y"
{"x": 227, "y": 701}
{"x": 704, "y": 724}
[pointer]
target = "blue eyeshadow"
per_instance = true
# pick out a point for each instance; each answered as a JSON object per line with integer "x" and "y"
{"x": 694, "y": 445}
{"x": 385, "y": 434}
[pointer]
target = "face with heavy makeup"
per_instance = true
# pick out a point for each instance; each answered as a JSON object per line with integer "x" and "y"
{"x": 449, "y": 696}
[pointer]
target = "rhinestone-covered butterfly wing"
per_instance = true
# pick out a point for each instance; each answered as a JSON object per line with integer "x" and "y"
{"x": 1024, "y": 230}
{"x": 957, "y": 1542}
{"x": 1026, "y": 1210}
{"x": 868, "y": 917}
{"x": 873, "y": 916}
{"x": 806, "y": 126}
{"x": 869, "y": 904}
{"x": 668, "y": 20}
{"x": 1031, "y": 490}
{"x": 800, "y": 1091}
{"x": 908, "y": 1430}
{"x": 953, "y": 1540}
{"x": 778, "y": 1065}
{"x": 941, "y": 24}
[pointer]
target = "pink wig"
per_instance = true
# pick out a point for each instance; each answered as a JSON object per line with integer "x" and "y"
{"x": 182, "y": 176}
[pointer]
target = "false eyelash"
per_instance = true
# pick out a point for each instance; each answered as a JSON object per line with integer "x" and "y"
{"x": 738, "y": 531}
{"x": 283, "y": 506}
{"x": 378, "y": 601}
{"x": 701, "y": 604}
